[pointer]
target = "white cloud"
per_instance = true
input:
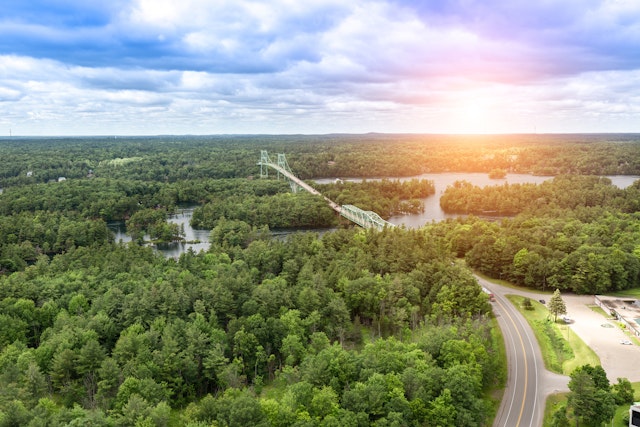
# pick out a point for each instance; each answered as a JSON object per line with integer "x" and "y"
{"x": 201, "y": 66}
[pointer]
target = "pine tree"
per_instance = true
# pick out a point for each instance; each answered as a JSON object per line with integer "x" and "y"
{"x": 556, "y": 305}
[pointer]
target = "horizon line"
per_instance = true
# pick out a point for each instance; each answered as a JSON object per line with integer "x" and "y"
{"x": 115, "y": 136}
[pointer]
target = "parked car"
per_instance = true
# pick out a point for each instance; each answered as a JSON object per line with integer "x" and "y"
{"x": 541, "y": 301}
{"x": 625, "y": 342}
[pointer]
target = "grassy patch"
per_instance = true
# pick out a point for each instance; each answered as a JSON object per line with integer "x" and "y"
{"x": 583, "y": 354}
{"x": 555, "y": 348}
{"x": 562, "y": 350}
{"x": 619, "y": 416}
{"x": 599, "y": 310}
{"x": 495, "y": 393}
{"x": 510, "y": 285}
{"x": 553, "y": 402}
{"x": 628, "y": 293}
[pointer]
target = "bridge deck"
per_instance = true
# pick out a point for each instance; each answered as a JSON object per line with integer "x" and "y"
{"x": 365, "y": 219}
{"x": 336, "y": 207}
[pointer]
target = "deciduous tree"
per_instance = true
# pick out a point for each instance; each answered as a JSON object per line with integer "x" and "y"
{"x": 591, "y": 404}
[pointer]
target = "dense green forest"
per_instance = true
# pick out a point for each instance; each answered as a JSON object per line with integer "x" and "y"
{"x": 178, "y": 158}
{"x": 285, "y": 210}
{"x": 349, "y": 328}
{"x": 574, "y": 233}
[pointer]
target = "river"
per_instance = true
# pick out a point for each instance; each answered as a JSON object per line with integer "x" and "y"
{"x": 195, "y": 239}
{"x": 432, "y": 210}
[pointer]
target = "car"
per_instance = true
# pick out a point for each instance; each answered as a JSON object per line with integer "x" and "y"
{"x": 541, "y": 301}
{"x": 566, "y": 319}
{"x": 625, "y": 342}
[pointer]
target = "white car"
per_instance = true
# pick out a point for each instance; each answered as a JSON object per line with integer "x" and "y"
{"x": 625, "y": 342}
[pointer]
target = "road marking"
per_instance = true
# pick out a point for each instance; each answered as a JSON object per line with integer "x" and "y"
{"x": 524, "y": 353}
{"x": 508, "y": 334}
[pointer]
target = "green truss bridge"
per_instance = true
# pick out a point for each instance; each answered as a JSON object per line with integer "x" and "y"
{"x": 365, "y": 219}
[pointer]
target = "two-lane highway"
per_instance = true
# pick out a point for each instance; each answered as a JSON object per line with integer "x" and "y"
{"x": 529, "y": 382}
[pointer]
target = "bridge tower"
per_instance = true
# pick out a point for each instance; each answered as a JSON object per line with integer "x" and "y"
{"x": 282, "y": 167}
{"x": 264, "y": 164}
{"x": 366, "y": 219}
{"x": 282, "y": 162}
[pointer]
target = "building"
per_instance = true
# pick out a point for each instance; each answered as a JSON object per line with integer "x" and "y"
{"x": 625, "y": 310}
{"x": 634, "y": 415}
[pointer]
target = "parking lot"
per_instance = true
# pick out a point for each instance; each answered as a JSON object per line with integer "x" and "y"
{"x": 604, "y": 337}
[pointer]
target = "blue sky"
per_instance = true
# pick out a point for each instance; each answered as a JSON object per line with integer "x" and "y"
{"x": 149, "y": 67}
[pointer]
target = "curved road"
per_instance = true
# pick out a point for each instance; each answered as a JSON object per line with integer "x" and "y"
{"x": 529, "y": 382}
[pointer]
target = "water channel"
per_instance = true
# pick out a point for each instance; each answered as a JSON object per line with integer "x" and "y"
{"x": 432, "y": 210}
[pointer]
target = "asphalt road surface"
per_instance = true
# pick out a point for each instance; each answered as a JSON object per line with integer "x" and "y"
{"x": 529, "y": 383}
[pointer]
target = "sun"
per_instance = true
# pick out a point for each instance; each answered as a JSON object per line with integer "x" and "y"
{"x": 478, "y": 109}
{"x": 473, "y": 115}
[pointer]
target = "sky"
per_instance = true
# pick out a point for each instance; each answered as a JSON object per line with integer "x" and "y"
{"x": 154, "y": 67}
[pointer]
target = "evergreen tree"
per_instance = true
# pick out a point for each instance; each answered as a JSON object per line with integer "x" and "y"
{"x": 556, "y": 305}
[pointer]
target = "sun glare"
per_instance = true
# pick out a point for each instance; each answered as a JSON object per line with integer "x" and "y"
{"x": 473, "y": 115}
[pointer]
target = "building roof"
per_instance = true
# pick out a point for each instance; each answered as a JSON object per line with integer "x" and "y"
{"x": 626, "y": 308}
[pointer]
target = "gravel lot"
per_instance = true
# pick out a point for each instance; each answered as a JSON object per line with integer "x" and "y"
{"x": 617, "y": 360}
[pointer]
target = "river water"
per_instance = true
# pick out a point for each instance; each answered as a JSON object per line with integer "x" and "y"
{"x": 432, "y": 210}
{"x": 195, "y": 239}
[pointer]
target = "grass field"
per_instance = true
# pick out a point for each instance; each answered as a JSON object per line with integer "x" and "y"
{"x": 628, "y": 293}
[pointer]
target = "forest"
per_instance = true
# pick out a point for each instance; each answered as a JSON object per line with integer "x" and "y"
{"x": 345, "y": 328}
{"x": 178, "y": 158}
{"x": 574, "y": 233}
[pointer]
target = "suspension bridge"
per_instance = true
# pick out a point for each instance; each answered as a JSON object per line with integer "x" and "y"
{"x": 365, "y": 219}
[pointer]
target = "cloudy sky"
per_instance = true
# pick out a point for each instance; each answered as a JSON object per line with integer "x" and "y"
{"x": 132, "y": 67}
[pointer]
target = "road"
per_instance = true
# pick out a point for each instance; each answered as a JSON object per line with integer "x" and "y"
{"x": 529, "y": 382}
